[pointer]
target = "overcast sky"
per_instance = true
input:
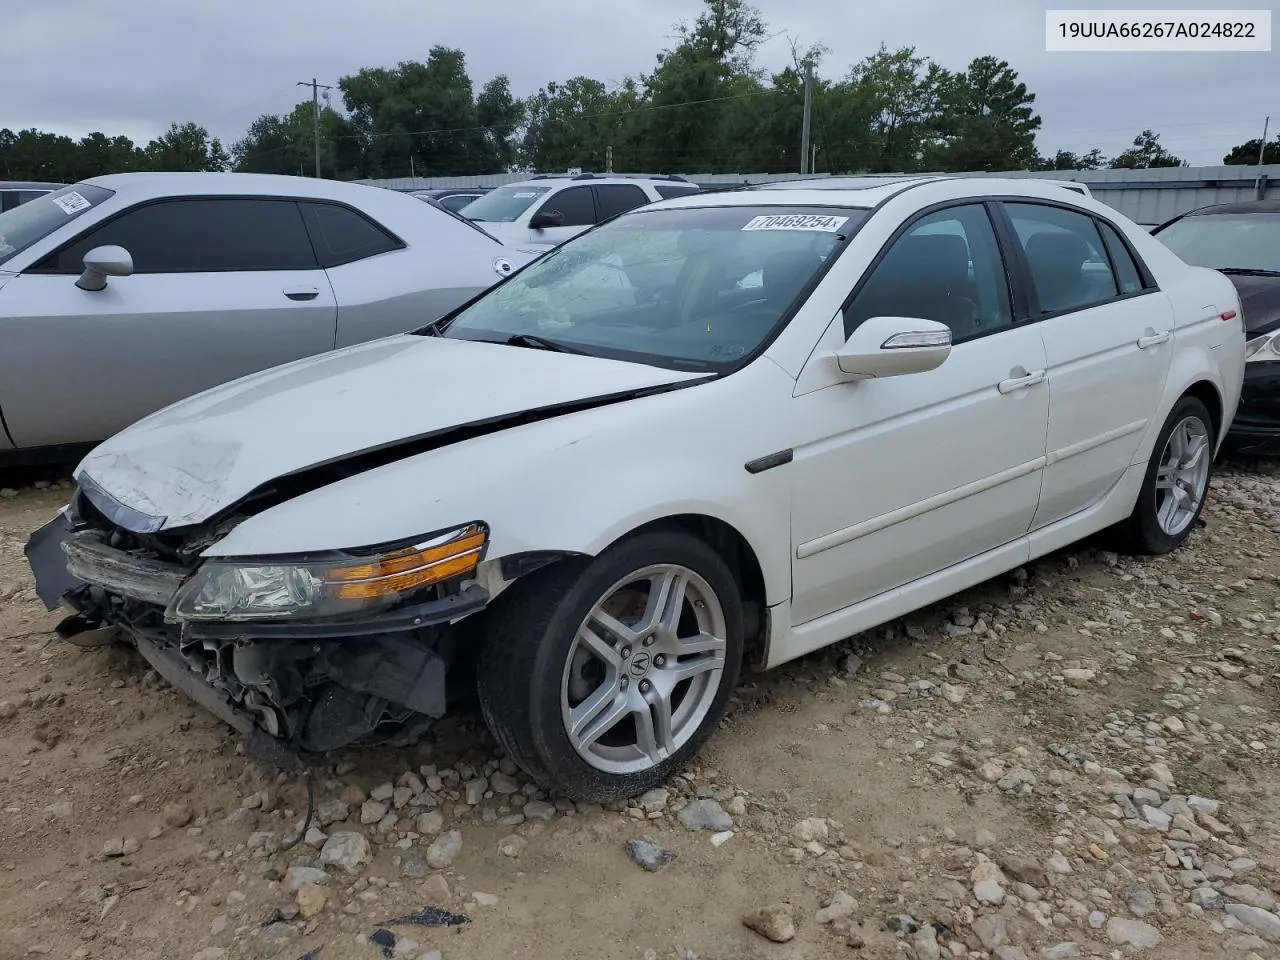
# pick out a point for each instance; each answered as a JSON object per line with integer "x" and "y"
{"x": 132, "y": 66}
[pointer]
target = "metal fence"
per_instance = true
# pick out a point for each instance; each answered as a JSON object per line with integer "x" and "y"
{"x": 1147, "y": 196}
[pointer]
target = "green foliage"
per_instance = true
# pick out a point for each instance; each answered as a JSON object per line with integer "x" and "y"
{"x": 1145, "y": 152}
{"x": 1247, "y": 152}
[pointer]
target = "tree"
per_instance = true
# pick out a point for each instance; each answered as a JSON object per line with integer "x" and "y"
{"x": 1145, "y": 152}
{"x": 985, "y": 120}
{"x": 899, "y": 94}
{"x": 500, "y": 114}
{"x": 569, "y": 124}
{"x": 275, "y": 144}
{"x": 1247, "y": 152}
{"x": 185, "y": 147}
{"x": 1066, "y": 160}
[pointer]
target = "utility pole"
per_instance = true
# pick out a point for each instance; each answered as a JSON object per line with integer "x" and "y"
{"x": 315, "y": 109}
{"x": 808, "y": 109}
{"x": 1259, "y": 187}
{"x": 608, "y": 159}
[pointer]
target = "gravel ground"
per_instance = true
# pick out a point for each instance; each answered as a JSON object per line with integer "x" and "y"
{"x": 1076, "y": 760}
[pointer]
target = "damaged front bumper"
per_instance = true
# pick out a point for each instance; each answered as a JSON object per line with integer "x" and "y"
{"x": 296, "y": 689}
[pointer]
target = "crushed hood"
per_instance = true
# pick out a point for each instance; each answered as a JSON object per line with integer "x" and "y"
{"x": 191, "y": 460}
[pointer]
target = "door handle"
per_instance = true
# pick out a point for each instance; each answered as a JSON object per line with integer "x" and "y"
{"x": 1153, "y": 340}
{"x": 1018, "y": 383}
{"x": 302, "y": 293}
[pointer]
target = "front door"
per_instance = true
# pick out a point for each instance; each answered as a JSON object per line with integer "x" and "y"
{"x": 577, "y": 209}
{"x": 902, "y": 477}
{"x": 221, "y": 288}
{"x": 1108, "y": 338}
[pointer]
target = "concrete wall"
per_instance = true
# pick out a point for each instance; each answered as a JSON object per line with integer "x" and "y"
{"x": 1148, "y": 196}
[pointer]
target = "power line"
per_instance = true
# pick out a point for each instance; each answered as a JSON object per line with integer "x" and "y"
{"x": 316, "y": 87}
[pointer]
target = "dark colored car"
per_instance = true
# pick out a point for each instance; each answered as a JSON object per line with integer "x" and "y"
{"x": 452, "y": 198}
{"x": 1242, "y": 240}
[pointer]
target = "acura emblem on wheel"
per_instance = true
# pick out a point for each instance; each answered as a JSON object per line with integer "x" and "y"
{"x": 639, "y": 665}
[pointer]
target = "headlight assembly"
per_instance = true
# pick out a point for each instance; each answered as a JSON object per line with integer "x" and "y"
{"x": 1265, "y": 347}
{"x": 309, "y": 589}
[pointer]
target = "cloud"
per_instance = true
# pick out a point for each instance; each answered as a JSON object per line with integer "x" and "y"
{"x": 136, "y": 66}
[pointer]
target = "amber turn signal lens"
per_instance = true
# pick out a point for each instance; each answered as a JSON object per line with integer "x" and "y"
{"x": 408, "y": 569}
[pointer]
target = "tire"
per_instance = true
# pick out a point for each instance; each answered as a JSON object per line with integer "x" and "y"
{"x": 537, "y": 676}
{"x": 1144, "y": 532}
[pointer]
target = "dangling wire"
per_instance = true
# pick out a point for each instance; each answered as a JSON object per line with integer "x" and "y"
{"x": 311, "y": 808}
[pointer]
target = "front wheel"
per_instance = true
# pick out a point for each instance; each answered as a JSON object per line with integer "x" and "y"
{"x": 603, "y": 677}
{"x": 1176, "y": 483}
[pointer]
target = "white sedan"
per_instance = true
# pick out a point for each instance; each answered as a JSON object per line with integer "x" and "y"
{"x": 122, "y": 294}
{"x": 602, "y": 487}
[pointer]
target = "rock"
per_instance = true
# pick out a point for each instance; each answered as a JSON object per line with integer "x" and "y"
{"x": 1247, "y": 893}
{"x": 59, "y": 811}
{"x": 512, "y": 846}
{"x": 807, "y": 831}
{"x": 383, "y": 792}
{"x": 178, "y": 814}
{"x": 275, "y": 938}
{"x": 774, "y": 922}
{"x": 7, "y": 710}
{"x": 1203, "y": 805}
{"x": 210, "y": 953}
{"x": 503, "y": 783}
{"x": 1025, "y": 870}
{"x": 721, "y": 838}
{"x": 430, "y": 823}
{"x": 414, "y": 868}
{"x": 705, "y": 815}
{"x": 332, "y": 811}
{"x": 1079, "y": 678}
{"x": 436, "y": 889}
{"x": 1060, "y": 951}
{"x": 311, "y": 900}
{"x": 1010, "y": 953}
{"x": 484, "y": 899}
{"x": 991, "y": 930}
{"x": 988, "y": 891}
{"x": 1207, "y": 898}
{"x": 1157, "y": 818}
{"x": 538, "y": 810}
{"x": 838, "y": 906}
{"x": 444, "y": 850}
{"x": 952, "y": 694}
{"x": 1262, "y": 922}
{"x": 475, "y": 790}
{"x": 1135, "y": 933}
{"x": 347, "y": 850}
{"x": 295, "y": 877}
{"x": 649, "y": 855}
{"x": 652, "y": 801}
{"x": 1141, "y": 902}
{"x": 902, "y": 923}
{"x": 371, "y": 811}
{"x": 925, "y": 944}
{"x": 113, "y": 847}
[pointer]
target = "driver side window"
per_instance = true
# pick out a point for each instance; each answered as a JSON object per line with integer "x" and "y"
{"x": 947, "y": 267}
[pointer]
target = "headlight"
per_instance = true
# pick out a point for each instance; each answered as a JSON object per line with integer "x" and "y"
{"x": 231, "y": 590}
{"x": 1265, "y": 347}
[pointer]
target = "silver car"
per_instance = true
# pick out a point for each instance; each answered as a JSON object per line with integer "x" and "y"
{"x": 125, "y": 293}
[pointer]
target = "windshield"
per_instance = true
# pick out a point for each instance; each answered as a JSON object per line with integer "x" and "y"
{"x": 690, "y": 288}
{"x": 36, "y": 219}
{"x": 503, "y": 205}
{"x": 1244, "y": 241}
{"x": 432, "y": 201}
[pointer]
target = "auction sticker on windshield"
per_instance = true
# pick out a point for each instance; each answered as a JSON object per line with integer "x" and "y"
{"x": 796, "y": 221}
{"x": 72, "y": 203}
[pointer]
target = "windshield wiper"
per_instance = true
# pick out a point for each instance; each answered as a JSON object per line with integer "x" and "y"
{"x": 1249, "y": 272}
{"x": 538, "y": 343}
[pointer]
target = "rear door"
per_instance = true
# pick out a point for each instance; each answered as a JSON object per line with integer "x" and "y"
{"x": 1108, "y": 334}
{"x": 222, "y": 287}
{"x": 615, "y": 198}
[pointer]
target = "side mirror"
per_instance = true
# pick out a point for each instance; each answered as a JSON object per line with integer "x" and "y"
{"x": 546, "y": 218}
{"x": 103, "y": 262}
{"x": 893, "y": 346}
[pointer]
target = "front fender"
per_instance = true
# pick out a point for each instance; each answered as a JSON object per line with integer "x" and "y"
{"x": 574, "y": 483}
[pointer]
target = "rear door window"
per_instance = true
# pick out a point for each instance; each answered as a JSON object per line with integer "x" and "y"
{"x": 615, "y": 198}
{"x": 574, "y": 204}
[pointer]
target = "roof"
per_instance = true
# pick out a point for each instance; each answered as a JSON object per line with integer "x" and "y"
{"x": 866, "y": 192}
{"x": 265, "y": 184}
{"x": 29, "y": 185}
{"x": 1244, "y": 206}
{"x": 546, "y": 180}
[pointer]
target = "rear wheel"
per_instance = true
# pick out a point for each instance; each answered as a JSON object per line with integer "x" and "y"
{"x": 603, "y": 677}
{"x": 1176, "y": 483}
